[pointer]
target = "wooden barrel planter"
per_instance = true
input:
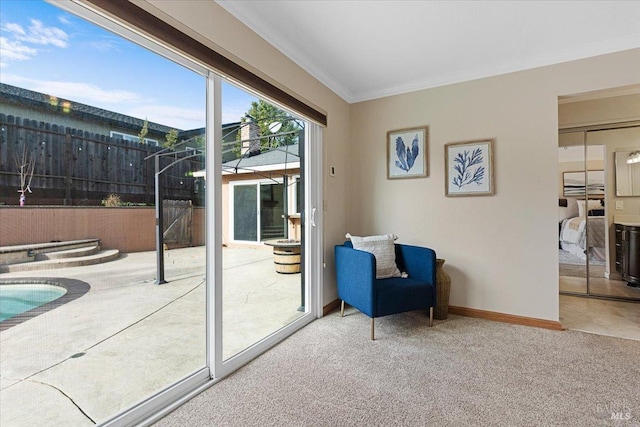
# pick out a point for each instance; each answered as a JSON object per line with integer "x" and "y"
{"x": 286, "y": 260}
{"x": 286, "y": 256}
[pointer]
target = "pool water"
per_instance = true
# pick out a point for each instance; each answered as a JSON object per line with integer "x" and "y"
{"x": 17, "y": 299}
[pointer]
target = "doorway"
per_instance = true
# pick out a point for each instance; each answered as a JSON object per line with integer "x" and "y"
{"x": 593, "y": 295}
{"x": 590, "y": 210}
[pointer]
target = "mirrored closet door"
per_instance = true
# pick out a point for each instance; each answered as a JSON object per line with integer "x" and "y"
{"x": 572, "y": 176}
{"x": 595, "y": 255}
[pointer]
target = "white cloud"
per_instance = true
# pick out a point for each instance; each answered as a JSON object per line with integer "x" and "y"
{"x": 105, "y": 45}
{"x": 177, "y": 117}
{"x": 233, "y": 112}
{"x": 13, "y": 28}
{"x": 17, "y": 43}
{"x": 38, "y": 33}
{"x": 64, "y": 20}
{"x": 11, "y": 50}
{"x": 85, "y": 93}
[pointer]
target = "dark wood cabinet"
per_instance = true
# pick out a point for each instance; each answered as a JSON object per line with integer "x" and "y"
{"x": 628, "y": 253}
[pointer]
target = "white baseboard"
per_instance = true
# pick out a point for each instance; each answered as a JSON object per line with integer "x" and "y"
{"x": 612, "y": 276}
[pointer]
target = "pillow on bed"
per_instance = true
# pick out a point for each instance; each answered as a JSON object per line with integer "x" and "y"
{"x": 383, "y": 248}
{"x": 591, "y": 204}
{"x": 572, "y": 207}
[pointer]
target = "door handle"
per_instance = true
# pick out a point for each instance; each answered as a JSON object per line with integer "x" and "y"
{"x": 313, "y": 217}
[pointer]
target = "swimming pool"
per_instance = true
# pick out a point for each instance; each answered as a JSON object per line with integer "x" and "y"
{"x": 18, "y": 299}
{"x": 24, "y": 298}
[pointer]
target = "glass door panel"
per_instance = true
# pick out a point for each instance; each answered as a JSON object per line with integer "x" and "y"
{"x": 272, "y": 211}
{"x": 245, "y": 212}
{"x": 604, "y": 278}
{"x": 261, "y": 272}
{"x": 596, "y": 221}
{"x": 571, "y": 193}
{"x": 117, "y": 337}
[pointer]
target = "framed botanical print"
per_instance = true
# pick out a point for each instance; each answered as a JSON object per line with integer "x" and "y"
{"x": 407, "y": 151}
{"x": 469, "y": 168}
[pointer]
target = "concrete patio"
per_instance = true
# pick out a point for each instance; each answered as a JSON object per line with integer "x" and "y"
{"x": 127, "y": 338}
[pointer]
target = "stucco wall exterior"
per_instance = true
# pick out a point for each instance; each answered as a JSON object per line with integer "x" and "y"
{"x": 126, "y": 229}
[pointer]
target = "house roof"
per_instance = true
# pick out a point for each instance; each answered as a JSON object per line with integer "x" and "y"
{"x": 283, "y": 157}
{"x": 20, "y": 96}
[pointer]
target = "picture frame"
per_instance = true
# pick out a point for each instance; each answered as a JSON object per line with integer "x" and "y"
{"x": 408, "y": 153}
{"x": 469, "y": 168}
{"x": 573, "y": 184}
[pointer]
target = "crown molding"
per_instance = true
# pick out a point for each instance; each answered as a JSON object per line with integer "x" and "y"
{"x": 287, "y": 48}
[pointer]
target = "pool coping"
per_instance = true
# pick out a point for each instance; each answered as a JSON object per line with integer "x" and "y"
{"x": 75, "y": 289}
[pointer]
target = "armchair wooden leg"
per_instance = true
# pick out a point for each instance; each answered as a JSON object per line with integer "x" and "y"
{"x": 430, "y": 316}
{"x": 342, "y": 309}
{"x": 372, "y": 329}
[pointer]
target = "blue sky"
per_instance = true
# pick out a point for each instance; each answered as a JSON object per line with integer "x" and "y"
{"x": 46, "y": 49}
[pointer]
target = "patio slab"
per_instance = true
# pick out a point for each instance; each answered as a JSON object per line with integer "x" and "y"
{"x": 127, "y": 338}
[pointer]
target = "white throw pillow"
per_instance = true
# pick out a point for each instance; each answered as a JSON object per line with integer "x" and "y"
{"x": 591, "y": 204}
{"x": 383, "y": 248}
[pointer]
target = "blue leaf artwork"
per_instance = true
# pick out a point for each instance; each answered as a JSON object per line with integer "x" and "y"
{"x": 464, "y": 163}
{"x": 406, "y": 156}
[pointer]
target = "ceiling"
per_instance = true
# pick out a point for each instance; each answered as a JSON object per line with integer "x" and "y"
{"x": 369, "y": 49}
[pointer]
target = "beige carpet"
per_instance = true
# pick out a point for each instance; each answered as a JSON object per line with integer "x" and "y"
{"x": 461, "y": 372}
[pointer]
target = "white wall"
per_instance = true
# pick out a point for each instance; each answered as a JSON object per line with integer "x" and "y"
{"x": 501, "y": 250}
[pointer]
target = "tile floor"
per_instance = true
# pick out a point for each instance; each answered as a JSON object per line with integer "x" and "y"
{"x": 604, "y": 317}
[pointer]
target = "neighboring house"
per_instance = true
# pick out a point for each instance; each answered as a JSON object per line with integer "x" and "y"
{"x": 41, "y": 108}
{"x": 261, "y": 196}
{"x": 264, "y": 196}
{"x": 28, "y": 104}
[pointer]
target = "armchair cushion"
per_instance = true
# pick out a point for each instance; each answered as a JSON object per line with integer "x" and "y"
{"x": 383, "y": 249}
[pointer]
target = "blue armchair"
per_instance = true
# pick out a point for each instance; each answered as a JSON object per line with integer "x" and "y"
{"x": 358, "y": 286}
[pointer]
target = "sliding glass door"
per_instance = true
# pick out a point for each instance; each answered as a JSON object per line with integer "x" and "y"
{"x": 265, "y": 262}
{"x": 258, "y": 211}
{"x": 189, "y": 293}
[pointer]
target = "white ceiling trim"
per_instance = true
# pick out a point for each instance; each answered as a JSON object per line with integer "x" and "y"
{"x": 585, "y": 51}
{"x": 274, "y": 37}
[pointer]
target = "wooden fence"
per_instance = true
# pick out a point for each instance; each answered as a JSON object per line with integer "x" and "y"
{"x": 178, "y": 223}
{"x": 73, "y": 167}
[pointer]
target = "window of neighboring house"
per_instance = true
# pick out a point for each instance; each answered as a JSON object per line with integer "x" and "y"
{"x": 133, "y": 138}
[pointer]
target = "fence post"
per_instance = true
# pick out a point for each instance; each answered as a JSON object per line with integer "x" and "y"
{"x": 67, "y": 180}
{"x": 159, "y": 226}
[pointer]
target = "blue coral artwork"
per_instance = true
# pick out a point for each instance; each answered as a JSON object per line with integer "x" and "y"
{"x": 407, "y": 153}
{"x": 469, "y": 168}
